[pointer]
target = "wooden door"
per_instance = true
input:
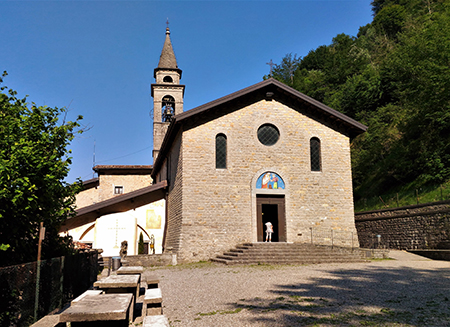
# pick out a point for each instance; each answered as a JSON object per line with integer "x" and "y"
{"x": 275, "y": 207}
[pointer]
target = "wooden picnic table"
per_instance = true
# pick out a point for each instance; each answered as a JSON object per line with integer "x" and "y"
{"x": 151, "y": 280}
{"x": 120, "y": 284}
{"x": 130, "y": 270}
{"x": 100, "y": 310}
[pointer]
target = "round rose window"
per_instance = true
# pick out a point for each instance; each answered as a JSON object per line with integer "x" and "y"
{"x": 268, "y": 134}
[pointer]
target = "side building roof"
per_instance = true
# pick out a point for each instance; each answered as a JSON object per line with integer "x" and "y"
{"x": 123, "y": 169}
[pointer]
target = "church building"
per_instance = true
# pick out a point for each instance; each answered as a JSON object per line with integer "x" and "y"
{"x": 221, "y": 171}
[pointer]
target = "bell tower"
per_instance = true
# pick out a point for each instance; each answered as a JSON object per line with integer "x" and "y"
{"x": 167, "y": 94}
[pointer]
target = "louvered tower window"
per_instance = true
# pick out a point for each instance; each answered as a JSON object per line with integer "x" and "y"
{"x": 316, "y": 161}
{"x": 221, "y": 151}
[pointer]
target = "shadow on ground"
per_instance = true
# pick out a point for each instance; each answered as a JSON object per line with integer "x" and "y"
{"x": 375, "y": 297}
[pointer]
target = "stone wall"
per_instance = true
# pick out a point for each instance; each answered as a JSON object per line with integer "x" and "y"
{"x": 146, "y": 260}
{"x": 129, "y": 182}
{"x": 412, "y": 227}
{"x": 174, "y": 176}
{"x": 219, "y": 205}
{"x": 106, "y": 184}
{"x": 87, "y": 197}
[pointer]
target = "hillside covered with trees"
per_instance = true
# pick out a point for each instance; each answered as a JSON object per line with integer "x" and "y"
{"x": 394, "y": 77}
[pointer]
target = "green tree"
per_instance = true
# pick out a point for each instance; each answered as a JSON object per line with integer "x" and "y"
{"x": 390, "y": 20}
{"x": 395, "y": 78}
{"x": 34, "y": 160}
{"x": 419, "y": 70}
{"x": 141, "y": 244}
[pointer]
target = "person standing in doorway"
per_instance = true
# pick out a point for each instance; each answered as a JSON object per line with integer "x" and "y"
{"x": 269, "y": 231}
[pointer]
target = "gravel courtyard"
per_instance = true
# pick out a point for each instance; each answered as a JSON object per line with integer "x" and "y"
{"x": 406, "y": 291}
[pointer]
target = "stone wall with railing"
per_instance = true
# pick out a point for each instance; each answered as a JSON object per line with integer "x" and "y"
{"x": 424, "y": 226}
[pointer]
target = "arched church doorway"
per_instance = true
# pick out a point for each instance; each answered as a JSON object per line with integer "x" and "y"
{"x": 270, "y": 208}
{"x": 269, "y": 192}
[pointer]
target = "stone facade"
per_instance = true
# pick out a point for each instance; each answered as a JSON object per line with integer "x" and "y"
{"x": 424, "y": 226}
{"x": 211, "y": 210}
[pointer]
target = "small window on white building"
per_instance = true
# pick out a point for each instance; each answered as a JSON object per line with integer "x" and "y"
{"x": 118, "y": 189}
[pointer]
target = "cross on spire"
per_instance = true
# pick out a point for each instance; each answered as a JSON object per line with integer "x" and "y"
{"x": 167, "y": 22}
{"x": 271, "y": 64}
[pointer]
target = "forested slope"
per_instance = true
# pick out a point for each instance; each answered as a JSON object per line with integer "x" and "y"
{"x": 394, "y": 77}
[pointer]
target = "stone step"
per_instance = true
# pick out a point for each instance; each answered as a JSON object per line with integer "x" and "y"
{"x": 292, "y": 259}
{"x": 234, "y": 254}
{"x": 286, "y": 253}
{"x": 286, "y": 257}
{"x": 296, "y": 252}
{"x": 284, "y": 262}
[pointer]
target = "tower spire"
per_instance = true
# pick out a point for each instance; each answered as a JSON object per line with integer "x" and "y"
{"x": 167, "y": 58}
{"x": 167, "y": 93}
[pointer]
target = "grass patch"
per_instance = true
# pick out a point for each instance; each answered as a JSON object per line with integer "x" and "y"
{"x": 226, "y": 312}
{"x": 221, "y": 312}
{"x": 380, "y": 259}
{"x": 207, "y": 313}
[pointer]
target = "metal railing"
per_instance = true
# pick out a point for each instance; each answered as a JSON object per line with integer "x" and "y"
{"x": 332, "y": 237}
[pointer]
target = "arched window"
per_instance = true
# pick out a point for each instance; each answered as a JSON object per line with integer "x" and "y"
{"x": 314, "y": 148}
{"x": 221, "y": 151}
{"x": 168, "y": 79}
{"x": 168, "y": 108}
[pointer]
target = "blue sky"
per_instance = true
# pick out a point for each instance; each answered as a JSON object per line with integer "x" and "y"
{"x": 97, "y": 58}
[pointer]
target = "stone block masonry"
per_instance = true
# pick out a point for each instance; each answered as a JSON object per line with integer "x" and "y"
{"x": 424, "y": 226}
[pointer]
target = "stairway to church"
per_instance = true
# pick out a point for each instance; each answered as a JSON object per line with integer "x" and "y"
{"x": 287, "y": 253}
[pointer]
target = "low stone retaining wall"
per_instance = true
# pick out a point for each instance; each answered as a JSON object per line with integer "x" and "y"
{"x": 433, "y": 254}
{"x": 424, "y": 226}
{"x": 374, "y": 253}
{"x": 149, "y": 260}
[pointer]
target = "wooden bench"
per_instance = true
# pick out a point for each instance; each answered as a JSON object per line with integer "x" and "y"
{"x": 133, "y": 270}
{"x": 151, "y": 280}
{"x": 100, "y": 310}
{"x": 152, "y": 304}
{"x": 156, "y": 321}
{"x": 130, "y": 270}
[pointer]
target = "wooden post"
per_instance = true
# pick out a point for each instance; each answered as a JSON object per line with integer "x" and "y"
{"x": 61, "y": 281}
{"x": 38, "y": 269}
